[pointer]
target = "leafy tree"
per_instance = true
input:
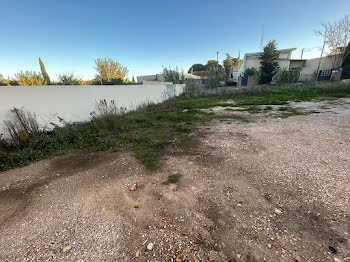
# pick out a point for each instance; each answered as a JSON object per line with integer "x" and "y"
{"x": 211, "y": 65}
{"x": 29, "y": 78}
{"x": 44, "y": 73}
{"x": 197, "y": 67}
{"x": 269, "y": 64}
{"x": 133, "y": 79}
{"x": 215, "y": 77}
{"x": 230, "y": 62}
{"x": 109, "y": 71}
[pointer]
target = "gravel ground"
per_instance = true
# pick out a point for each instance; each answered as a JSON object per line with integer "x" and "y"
{"x": 268, "y": 190}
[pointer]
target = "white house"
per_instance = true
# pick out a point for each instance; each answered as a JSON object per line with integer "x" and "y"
{"x": 161, "y": 78}
{"x": 235, "y": 73}
{"x": 252, "y": 60}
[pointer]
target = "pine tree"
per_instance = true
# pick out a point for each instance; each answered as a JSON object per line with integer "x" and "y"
{"x": 44, "y": 73}
{"x": 269, "y": 63}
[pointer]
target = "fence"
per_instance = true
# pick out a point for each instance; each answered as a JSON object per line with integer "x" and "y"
{"x": 75, "y": 103}
{"x": 307, "y": 78}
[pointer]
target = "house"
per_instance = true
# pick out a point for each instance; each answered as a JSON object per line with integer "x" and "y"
{"x": 327, "y": 63}
{"x": 202, "y": 74}
{"x": 252, "y": 60}
{"x": 161, "y": 78}
{"x": 235, "y": 72}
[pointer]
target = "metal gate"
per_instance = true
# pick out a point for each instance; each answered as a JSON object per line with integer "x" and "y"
{"x": 244, "y": 81}
{"x": 324, "y": 75}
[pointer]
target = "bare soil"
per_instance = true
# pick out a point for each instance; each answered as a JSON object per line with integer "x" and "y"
{"x": 273, "y": 189}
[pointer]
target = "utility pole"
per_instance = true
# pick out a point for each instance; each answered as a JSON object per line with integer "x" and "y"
{"x": 319, "y": 62}
{"x": 217, "y": 67}
{"x": 217, "y": 60}
{"x": 262, "y": 38}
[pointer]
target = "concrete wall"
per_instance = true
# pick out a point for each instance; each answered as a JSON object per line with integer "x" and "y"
{"x": 160, "y": 77}
{"x": 75, "y": 103}
{"x": 296, "y": 64}
{"x": 311, "y": 65}
{"x": 255, "y": 63}
{"x": 140, "y": 79}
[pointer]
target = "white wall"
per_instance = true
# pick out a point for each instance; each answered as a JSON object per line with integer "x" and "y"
{"x": 255, "y": 63}
{"x": 75, "y": 103}
{"x": 311, "y": 65}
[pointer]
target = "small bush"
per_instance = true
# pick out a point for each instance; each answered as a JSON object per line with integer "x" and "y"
{"x": 173, "y": 75}
{"x": 22, "y": 127}
{"x": 108, "y": 116}
{"x": 285, "y": 76}
{"x": 172, "y": 179}
{"x": 216, "y": 77}
{"x": 191, "y": 89}
{"x": 69, "y": 79}
{"x": 251, "y": 72}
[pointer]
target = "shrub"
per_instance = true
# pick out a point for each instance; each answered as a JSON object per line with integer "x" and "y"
{"x": 69, "y": 79}
{"x": 174, "y": 178}
{"x": 251, "y": 72}
{"x": 285, "y": 76}
{"x": 191, "y": 88}
{"x": 173, "y": 75}
{"x": 22, "y": 127}
{"x": 215, "y": 77}
{"x": 108, "y": 116}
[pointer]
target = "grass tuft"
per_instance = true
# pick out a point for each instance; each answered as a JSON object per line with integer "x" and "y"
{"x": 172, "y": 179}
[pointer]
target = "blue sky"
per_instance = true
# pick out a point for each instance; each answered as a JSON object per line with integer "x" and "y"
{"x": 146, "y": 35}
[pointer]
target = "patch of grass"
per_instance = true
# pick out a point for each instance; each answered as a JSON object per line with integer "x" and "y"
{"x": 253, "y": 109}
{"x": 287, "y": 111}
{"x": 149, "y": 129}
{"x": 284, "y": 108}
{"x": 267, "y": 108}
{"x": 172, "y": 179}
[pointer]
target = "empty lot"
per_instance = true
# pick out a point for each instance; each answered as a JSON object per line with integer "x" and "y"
{"x": 269, "y": 189}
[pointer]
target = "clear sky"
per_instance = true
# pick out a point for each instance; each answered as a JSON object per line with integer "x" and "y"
{"x": 145, "y": 35}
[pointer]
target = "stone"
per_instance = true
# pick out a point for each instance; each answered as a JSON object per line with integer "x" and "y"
{"x": 150, "y": 246}
{"x": 173, "y": 187}
{"x": 238, "y": 256}
{"x": 138, "y": 253}
{"x": 278, "y": 211}
{"x": 337, "y": 260}
{"x": 66, "y": 248}
{"x": 136, "y": 206}
{"x": 132, "y": 188}
{"x": 269, "y": 245}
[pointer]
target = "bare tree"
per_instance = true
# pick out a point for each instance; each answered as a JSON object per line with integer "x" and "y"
{"x": 337, "y": 37}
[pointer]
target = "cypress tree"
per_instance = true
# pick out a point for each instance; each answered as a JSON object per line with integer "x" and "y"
{"x": 44, "y": 73}
{"x": 269, "y": 63}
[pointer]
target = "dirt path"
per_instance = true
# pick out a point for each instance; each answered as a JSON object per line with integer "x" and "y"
{"x": 270, "y": 190}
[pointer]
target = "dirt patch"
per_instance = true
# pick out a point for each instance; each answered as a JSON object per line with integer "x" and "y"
{"x": 269, "y": 190}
